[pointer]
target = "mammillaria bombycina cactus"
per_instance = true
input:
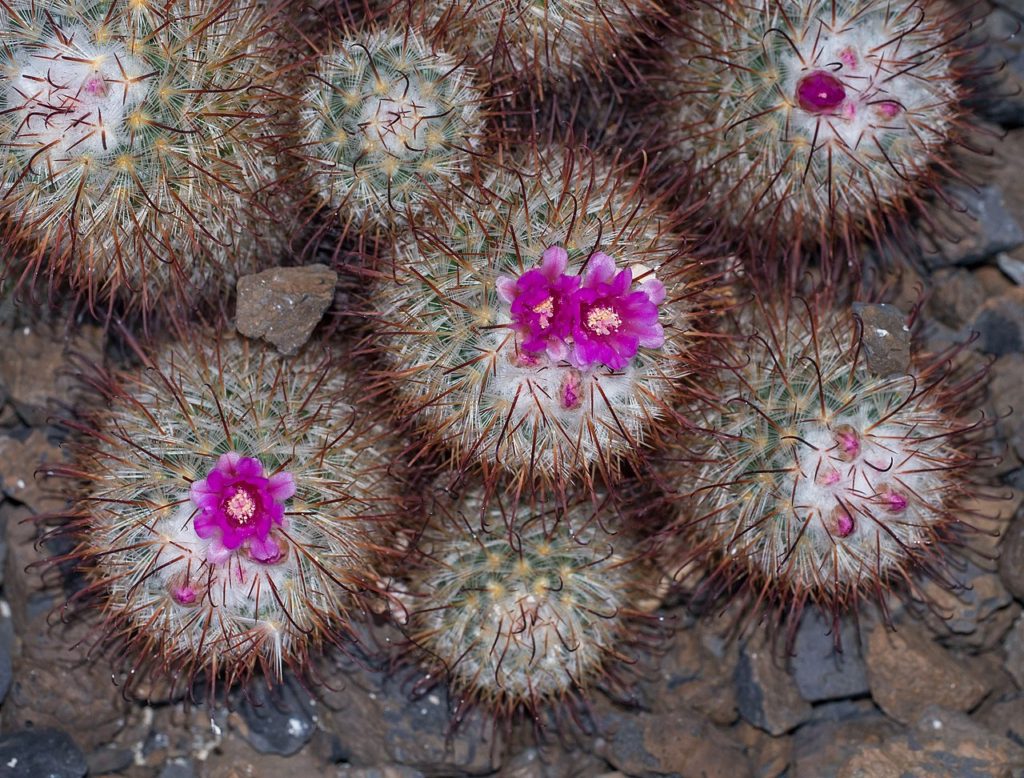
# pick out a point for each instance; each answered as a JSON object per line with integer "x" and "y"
{"x": 233, "y": 505}
{"x": 821, "y": 481}
{"x": 137, "y": 161}
{"x": 813, "y": 121}
{"x": 524, "y": 605}
{"x": 539, "y": 327}
{"x": 386, "y": 125}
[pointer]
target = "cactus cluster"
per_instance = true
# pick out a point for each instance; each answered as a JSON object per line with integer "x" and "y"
{"x": 233, "y": 506}
{"x": 387, "y": 125}
{"x": 542, "y": 340}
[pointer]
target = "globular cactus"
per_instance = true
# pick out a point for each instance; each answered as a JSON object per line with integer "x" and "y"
{"x": 820, "y": 481}
{"x": 539, "y": 326}
{"x": 813, "y": 122}
{"x": 544, "y": 44}
{"x": 232, "y": 504}
{"x": 137, "y": 161}
{"x": 524, "y": 606}
{"x": 387, "y": 124}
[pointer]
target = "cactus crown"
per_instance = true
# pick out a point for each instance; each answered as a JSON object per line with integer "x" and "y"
{"x": 524, "y": 614}
{"x": 812, "y": 114}
{"x": 824, "y": 480}
{"x": 133, "y": 140}
{"x": 449, "y": 334}
{"x": 386, "y": 121}
{"x": 233, "y": 501}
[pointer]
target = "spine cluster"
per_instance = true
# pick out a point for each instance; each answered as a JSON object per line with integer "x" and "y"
{"x": 527, "y": 608}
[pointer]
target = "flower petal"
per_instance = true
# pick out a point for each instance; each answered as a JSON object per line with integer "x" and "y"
{"x": 266, "y": 551}
{"x": 217, "y": 553}
{"x": 600, "y": 268}
{"x": 281, "y": 487}
{"x": 506, "y": 288}
{"x": 554, "y": 261}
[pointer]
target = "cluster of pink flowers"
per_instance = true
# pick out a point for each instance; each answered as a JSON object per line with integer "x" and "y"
{"x": 592, "y": 319}
{"x": 238, "y": 506}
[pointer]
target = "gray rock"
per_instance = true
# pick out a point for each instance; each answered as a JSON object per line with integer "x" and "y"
{"x": 991, "y": 223}
{"x": 279, "y": 720}
{"x": 975, "y": 614}
{"x": 820, "y": 671}
{"x": 109, "y": 759}
{"x": 1000, "y": 324}
{"x": 886, "y": 338}
{"x": 1006, "y": 389}
{"x": 1012, "y": 267}
{"x": 1001, "y": 98}
{"x": 377, "y": 724}
{"x": 1013, "y": 644}
{"x": 679, "y": 743}
{"x": 766, "y": 694}
{"x": 40, "y": 753}
{"x": 383, "y": 771}
{"x": 6, "y": 648}
{"x": 283, "y": 305}
{"x": 177, "y": 768}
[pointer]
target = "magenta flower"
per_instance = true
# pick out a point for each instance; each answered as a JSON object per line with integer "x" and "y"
{"x": 542, "y": 304}
{"x": 611, "y": 322}
{"x": 238, "y": 505}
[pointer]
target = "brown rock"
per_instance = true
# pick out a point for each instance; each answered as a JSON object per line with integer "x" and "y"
{"x": 957, "y": 295}
{"x": 942, "y": 743}
{"x": 58, "y": 684}
{"x": 21, "y": 476}
{"x": 821, "y": 747}
{"x": 234, "y": 759}
{"x": 769, "y": 756}
{"x": 1011, "y": 558}
{"x": 766, "y": 694}
{"x": 692, "y": 676}
{"x": 34, "y": 368}
{"x": 886, "y": 338}
{"x": 682, "y": 742}
{"x": 907, "y": 671}
{"x": 1006, "y": 388}
{"x": 283, "y": 305}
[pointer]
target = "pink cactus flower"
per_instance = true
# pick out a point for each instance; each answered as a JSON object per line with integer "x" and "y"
{"x": 611, "y": 322}
{"x": 820, "y": 92}
{"x": 541, "y": 304}
{"x": 239, "y": 506}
